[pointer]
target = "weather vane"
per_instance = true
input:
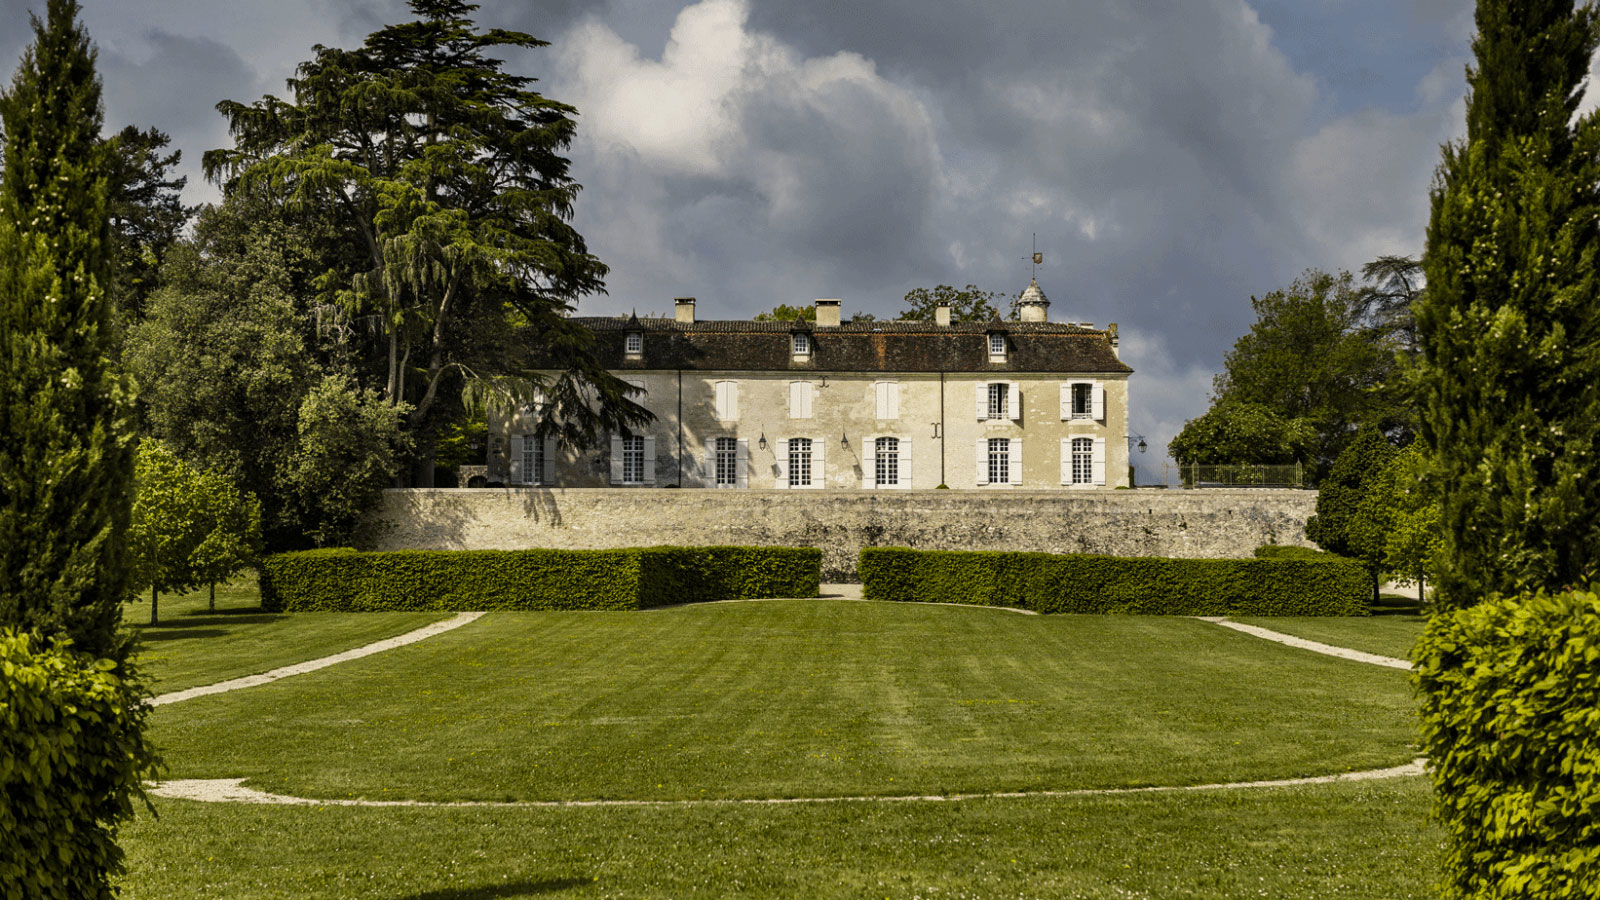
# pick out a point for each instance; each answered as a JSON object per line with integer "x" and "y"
{"x": 1038, "y": 258}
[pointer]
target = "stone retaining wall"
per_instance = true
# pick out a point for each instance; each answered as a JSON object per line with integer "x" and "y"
{"x": 1199, "y": 523}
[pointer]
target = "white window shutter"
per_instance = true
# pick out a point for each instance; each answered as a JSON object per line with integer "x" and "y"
{"x": 819, "y": 472}
{"x": 733, "y": 400}
{"x": 742, "y": 464}
{"x": 517, "y": 475}
{"x": 1016, "y": 461}
{"x": 550, "y": 449}
{"x": 783, "y": 464}
{"x": 1099, "y": 409}
{"x": 880, "y": 396}
{"x": 905, "y": 463}
{"x": 1066, "y": 460}
{"x": 796, "y": 400}
{"x": 1099, "y": 469}
{"x": 869, "y": 460}
{"x": 649, "y": 460}
{"x": 983, "y": 401}
{"x": 1013, "y": 401}
{"x": 808, "y": 393}
{"x": 616, "y": 459}
{"x": 708, "y": 467}
{"x": 983, "y": 460}
{"x": 894, "y": 399}
{"x": 1066, "y": 400}
{"x": 719, "y": 401}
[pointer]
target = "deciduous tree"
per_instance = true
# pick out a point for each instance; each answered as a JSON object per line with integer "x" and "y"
{"x": 968, "y": 304}
{"x": 1242, "y": 433}
{"x": 1355, "y": 475}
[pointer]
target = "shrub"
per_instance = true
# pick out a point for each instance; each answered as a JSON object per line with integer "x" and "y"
{"x": 72, "y": 758}
{"x": 1278, "y": 551}
{"x": 1052, "y": 583}
{"x": 1511, "y": 701}
{"x": 344, "y": 580}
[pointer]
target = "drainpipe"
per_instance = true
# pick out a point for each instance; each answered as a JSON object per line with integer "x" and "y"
{"x": 680, "y": 429}
{"x": 942, "y": 431}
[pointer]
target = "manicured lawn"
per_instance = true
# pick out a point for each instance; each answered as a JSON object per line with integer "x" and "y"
{"x": 797, "y": 698}
{"x": 193, "y": 646}
{"x": 1326, "y": 841}
{"x": 1389, "y": 635}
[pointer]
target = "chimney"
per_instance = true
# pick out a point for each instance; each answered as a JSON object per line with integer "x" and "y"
{"x": 827, "y": 313}
{"x": 941, "y": 315}
{"x": 685, "y": 309}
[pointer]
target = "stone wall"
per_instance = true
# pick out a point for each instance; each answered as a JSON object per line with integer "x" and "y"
{"x": 1199, "y": 523}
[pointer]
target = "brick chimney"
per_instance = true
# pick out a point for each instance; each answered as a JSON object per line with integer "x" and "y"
{"x": 685, "y": 309}
{"x": 827, "y": 313}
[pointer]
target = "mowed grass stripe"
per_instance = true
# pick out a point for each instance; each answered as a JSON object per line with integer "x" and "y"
{"x": 797, "y": 698}
{"x": 1352, "y": 841}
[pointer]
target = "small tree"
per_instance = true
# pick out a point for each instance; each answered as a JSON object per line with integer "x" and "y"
{"x": 1242, "y": 433}
{"x": 350, "y": 448}
{"x": 170, "y": 521}
{"x": 968, "y": 304}
{"x": 1355, "y": 474}
{"x": 234, "y": 541}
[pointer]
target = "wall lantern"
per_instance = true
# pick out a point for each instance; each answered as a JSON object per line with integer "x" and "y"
{"x": 763, "y": 442}
{"x": 844, "y": 441}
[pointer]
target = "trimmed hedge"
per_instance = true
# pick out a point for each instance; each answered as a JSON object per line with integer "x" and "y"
{"x": 1279, "y": 551}
{"x": 346, "y": 580}
{"x": 72, "y": 759}
{"x": 1511, "y": 726}
{"x": 1053, "y": 583}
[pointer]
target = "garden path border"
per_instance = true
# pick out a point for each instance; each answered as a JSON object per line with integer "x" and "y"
{"x": 1268, "y": 634}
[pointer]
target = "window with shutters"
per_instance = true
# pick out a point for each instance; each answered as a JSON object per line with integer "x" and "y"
{"x": 887, "y": 397}
{"x": 997, "y": 346}
{"x": 801, "y": 394}
{"x": 802, "y": 345}
{"x": 727, "y": 462}
{"x": 886, "y": 468}
{"x": 799, "y": 462}
{"x": 532, "y": 459}
{"x": 633, "y": 460}
{"x": 727, "y": 400}
{"x": 1082, "y": 400}
{"x": 1082, "y": 461}
{"x": 997, "y": 399}
{"x": 999, "y": 460}
{"x": 634, "y": 344}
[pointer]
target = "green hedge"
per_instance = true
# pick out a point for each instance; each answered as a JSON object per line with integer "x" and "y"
{"x": 1511, "y": 726}
{"x": 1052, "y": 583}
{"x": 1279, "y": 551}
{"x": 350, "y": 581}
{"x": 72, "y": 758}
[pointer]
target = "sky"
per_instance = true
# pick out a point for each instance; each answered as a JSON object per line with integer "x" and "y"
{"x": 1170, "y": 159}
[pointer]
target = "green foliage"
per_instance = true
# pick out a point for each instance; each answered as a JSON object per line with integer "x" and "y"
{"x": 65, "y": 459}
{"x": 1314, "y": 356}
{"x": 147, "y": 213}
{"x": 1279, "y": 551}
{"x": 1355, "y": 475}
{"x": 1240, "y": 432}
{"x": 1395, "y": 527}
{"x": 343, "y": 580}
{"x": 440, "y": 176}
{"x": 968, "y": 304}
{"x": 1055, "y": 583}
{"x": 1510, "y": 322}
{"x": 349, "y": 450}
{"x": 1511, "y": 696}
{"x": 783, "y": 312}
{"x": 72, "y": 761}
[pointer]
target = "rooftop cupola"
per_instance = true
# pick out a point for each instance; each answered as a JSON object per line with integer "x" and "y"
{"x": 1032, "y": 306}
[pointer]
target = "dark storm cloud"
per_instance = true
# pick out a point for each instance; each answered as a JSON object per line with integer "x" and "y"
{"x": 175, "y": 88}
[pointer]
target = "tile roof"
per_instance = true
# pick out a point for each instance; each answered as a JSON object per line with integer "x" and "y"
{"x": 915, "y": 346}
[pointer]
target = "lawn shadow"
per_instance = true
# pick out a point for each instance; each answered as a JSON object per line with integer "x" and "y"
{"x": 1396, "y": 605}
{"x": 149, "y": 635}
{"x": 492, "y": 892}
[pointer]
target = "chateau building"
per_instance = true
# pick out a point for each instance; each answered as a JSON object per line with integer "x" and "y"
{"x": 829, "y": 405}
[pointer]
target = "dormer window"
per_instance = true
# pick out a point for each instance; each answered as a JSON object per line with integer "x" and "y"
{"x": 997, "y": 347}
{"x": 802, "y": 345}
{"x": 634, "y": 344}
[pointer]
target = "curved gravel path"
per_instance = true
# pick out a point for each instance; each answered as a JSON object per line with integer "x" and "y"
{"x": 312, "y": 665}
{"x": 1268, "y": 634}
{"x": 232, "y": 790}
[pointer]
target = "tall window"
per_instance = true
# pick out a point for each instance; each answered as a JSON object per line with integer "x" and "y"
{"x": 799, "y": 462}
{"x": 532, "y": 459}
{"x": 997, "y": 399}
{"x": 887, "y": 465}
{"x": 1082, "y": 400}
{"x": 802, "y": 345}
{"x": 727, "y": 462}
{"x": 999, "y": 461}
{"x": 1082, "y": 460}
{"x": 633, "y": 460}
{"x": 727, "y": 400}
{"x": 635, "y": 342}
{"x": 997, "y": 345}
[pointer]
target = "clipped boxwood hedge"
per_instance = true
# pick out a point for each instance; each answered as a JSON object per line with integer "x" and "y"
{"x": 345, "y": 580}
{"x": 1279, "y": 551}
{"x": 1055, "y": 583}
{"x": 1511, "y": 726}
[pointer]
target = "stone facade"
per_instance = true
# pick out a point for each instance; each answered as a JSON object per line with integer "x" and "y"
{"x": 1198, "y": 523}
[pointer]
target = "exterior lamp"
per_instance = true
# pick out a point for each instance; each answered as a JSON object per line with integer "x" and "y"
{"x": 1141, "y": 445}
{"x": 763, "y": 442}
{"x": 844, "y": 441}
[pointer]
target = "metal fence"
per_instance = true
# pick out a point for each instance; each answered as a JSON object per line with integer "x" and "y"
{"x": 1241, "y": 475}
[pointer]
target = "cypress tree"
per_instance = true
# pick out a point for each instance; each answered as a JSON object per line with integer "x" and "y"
{"x": 1508, "y": 320}
{"x": 65, "y": 456}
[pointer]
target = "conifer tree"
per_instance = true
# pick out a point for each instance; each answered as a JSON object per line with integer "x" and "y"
{"x": 1508, "y": 321}
{"x": 65, "y": 457}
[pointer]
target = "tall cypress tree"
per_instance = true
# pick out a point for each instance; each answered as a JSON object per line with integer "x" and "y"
{"x": 65, "y": 457}
{"x": 1508, "y": 323}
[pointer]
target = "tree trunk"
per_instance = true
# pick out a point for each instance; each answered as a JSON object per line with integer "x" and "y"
{"x": 153, "y": 619}
{"x": 213, "y": 596}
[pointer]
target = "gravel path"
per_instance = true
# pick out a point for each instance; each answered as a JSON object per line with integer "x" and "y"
{"x": 232, "y": 790}
{"x": 1267, "y": 634}
{"x": 311, "y": 665}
